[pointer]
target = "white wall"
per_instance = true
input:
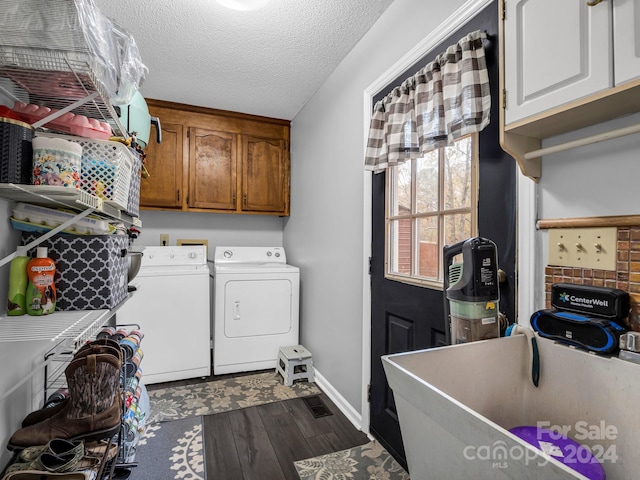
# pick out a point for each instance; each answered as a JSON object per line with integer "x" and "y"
{"x": 324, "y": 235}
{"x": 594, "y": 180}
{"x": 218, "y": 229}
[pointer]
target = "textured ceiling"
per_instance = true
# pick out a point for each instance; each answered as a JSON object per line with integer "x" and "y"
{"x": 265, "y": 62}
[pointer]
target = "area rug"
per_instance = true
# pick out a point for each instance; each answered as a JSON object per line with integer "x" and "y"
{"x": 171, "y": 450}
{"x": 366, "y": 462}
{"x": 218, "y": 396}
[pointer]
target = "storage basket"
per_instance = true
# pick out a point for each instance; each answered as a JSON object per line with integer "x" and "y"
{"x": 91, "y": 270}
{"x": 106, "y": 169}
{"x": 15, "y": 151}
{"x": 133, "y": 205}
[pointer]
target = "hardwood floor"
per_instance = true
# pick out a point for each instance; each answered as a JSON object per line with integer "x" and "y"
{"x": 262, "y": 442}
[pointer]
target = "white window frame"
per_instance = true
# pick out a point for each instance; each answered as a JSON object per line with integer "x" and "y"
{"x": 413, "y": 278}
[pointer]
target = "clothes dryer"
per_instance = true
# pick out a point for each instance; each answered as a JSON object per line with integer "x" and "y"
{"x": 256, "y": 308}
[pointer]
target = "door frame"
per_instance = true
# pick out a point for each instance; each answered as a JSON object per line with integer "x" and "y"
{"x": 526, "y": 195}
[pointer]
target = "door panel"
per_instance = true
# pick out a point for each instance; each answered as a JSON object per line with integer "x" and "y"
{"x": 164, "y": 163}
{"x": 264, "y": 175}
{"x": 406, "y": 317}
{"x": 626, "y": 40}
{"x": 539, "y": 76}
{"x": 257, "y": 307}
{"x": 212, "y": 169}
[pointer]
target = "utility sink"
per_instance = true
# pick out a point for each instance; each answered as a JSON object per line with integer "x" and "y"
{"x": 456, "y": 404}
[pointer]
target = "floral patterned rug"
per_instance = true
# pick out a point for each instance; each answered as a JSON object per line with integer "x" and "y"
{"x": 171, "y": 450}
{"x": 171, "y": 446}
{"x": 223, "y": 395}
{"x": 367, "y": 462}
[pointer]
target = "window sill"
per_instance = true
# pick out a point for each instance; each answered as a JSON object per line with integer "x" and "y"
{"x": 432, "y": 284}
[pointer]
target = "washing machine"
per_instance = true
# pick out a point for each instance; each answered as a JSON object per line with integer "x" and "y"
{"x": 171, "y": 306}
{"x": 256, "y": 308}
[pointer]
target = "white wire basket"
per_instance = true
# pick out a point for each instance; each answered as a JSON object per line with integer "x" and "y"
{"x": 106, "y": 169}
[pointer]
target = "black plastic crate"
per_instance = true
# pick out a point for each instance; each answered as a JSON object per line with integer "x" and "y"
{"x": 16, "y": 151}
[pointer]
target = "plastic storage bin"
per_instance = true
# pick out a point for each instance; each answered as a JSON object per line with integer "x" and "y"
{"x": 37, "y": 216}
{"x": 106, "y": 169}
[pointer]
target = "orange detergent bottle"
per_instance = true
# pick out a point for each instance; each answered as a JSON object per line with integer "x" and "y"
{"x": 41, "y": 291}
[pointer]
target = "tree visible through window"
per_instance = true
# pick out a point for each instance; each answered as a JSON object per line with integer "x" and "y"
{"x": 431, "y": 203}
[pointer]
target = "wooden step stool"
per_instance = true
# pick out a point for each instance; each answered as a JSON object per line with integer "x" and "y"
{"x": 294, "y": 363}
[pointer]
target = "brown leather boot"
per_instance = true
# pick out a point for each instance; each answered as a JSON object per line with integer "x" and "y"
{"x": 107, "y": 346}
{"x": 94, "y": 408}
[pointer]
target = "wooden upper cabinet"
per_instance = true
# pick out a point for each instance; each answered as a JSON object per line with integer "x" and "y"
{"x": 212, "y": 169}
{"x": 163, "y": 187}
{"x": 265, "y": 175}
{"x": 217, "y": 161}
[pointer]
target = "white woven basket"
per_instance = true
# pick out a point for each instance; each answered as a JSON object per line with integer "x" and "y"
{"x": 106, "y": 169}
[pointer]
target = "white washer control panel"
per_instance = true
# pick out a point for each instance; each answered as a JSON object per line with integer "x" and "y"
{"x": 174, "y": 256}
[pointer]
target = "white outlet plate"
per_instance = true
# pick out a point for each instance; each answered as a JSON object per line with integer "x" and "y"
{"x": 583, "y": 247}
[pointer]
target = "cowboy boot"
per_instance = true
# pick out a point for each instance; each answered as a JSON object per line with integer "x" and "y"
{"x": 94, "y": 408}
{"x": 103, "y": 342}
{"x": 99, "y": 346}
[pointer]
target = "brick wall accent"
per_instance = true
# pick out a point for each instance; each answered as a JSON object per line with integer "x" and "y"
{"x": 626, "y": 276}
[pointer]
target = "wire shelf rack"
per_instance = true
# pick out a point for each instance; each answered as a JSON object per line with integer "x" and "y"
{"x": 57, "y": 197}
{"x": 57, "y": 80}
{"x": 75, "y": 327}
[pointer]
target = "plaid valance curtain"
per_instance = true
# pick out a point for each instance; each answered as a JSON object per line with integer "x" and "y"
{"x": 445, "y": 100}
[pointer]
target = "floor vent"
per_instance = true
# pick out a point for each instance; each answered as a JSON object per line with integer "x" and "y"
{"x": 317, "y": 406}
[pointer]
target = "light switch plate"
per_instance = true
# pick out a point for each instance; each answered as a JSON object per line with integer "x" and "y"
{"x": 583, "y": 247}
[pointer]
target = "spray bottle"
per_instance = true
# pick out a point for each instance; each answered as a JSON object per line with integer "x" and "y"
{"x": 41, "y": 291}
{"x": 18, "y": 280}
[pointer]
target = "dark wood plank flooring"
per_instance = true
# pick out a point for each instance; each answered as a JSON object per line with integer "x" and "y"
{"x": 262, "y": 442}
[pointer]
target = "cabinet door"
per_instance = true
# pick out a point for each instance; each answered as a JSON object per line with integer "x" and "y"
{"x": 265, "y": 175}
{"x": 212, "y": 169}
{"x": 555, "y": 52}
{"x": 626, "y": 40}
{"x": 164, "y": 163}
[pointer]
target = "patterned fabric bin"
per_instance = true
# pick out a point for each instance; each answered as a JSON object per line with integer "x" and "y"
{"x": 91, "y": 272}
{"x": 133, "y": 204}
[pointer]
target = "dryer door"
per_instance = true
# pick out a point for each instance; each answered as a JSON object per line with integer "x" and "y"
{"x": 257, "y": 307}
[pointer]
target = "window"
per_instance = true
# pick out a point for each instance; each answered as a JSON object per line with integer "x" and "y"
{"x": 432, "y": 202}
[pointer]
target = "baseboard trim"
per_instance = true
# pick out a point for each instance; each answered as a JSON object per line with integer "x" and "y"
{"x": 345, "y": 407}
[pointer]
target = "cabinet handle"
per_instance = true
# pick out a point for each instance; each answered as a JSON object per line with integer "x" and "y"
{"x": 245, "y": 199}
{"x": 178, "y": 192}
{"x": 593, "y": 3}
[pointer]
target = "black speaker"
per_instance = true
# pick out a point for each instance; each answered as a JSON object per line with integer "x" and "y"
{"x": 594, "y": 334}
